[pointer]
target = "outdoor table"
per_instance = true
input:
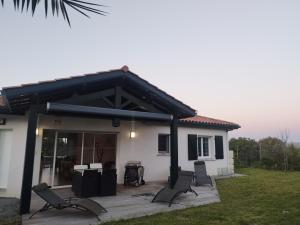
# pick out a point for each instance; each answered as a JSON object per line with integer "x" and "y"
{"x": 86, "y": 183}
{"x": 91, "y": 182}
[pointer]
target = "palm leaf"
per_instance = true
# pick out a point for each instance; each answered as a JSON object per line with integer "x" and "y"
{"x": 56, "y": 6}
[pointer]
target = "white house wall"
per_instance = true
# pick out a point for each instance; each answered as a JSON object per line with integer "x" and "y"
{"x": 16, "y": 154}
{"x": 5, "y": 152}
{"x": 213, "y": 166}
{"x": 144, "y": 147}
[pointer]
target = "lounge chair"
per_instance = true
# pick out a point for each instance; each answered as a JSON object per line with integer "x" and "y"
{"x": 201, "y": 177}
{"x": 53, "y": 201}
{"x": 182, "y": 185}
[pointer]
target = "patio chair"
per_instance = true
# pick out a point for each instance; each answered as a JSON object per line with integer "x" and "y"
{"x": 53, "y": 201}
{"x": 201, "y": 177}
{"x": 182, "y": 185}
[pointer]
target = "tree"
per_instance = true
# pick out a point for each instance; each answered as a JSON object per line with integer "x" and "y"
{"x": 269, "y": 153}
{"x": 284, "y": 137}
{"x": 293, "y": 157}
{"x": 83, "y": 7}
{"x": 272, "y": 153}
{"x": 246, "y": 151}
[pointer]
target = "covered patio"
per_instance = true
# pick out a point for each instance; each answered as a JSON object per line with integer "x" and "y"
{"x": 130, "y": 202}
{"x": 119, "y": 96}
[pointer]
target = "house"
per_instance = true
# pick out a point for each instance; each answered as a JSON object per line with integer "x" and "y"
{"x": 110, "y": 117}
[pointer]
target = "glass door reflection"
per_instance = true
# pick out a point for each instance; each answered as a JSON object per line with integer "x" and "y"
{"x": 68, "y": 154}
{"x": 61, "y": 150}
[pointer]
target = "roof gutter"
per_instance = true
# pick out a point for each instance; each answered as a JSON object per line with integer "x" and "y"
{"x": 228, "y": 127}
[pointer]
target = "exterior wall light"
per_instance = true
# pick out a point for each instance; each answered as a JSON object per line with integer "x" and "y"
{"x": 132, "y": 134}
{"x": 2, "y": 121}
{"x": 37, "y": 133}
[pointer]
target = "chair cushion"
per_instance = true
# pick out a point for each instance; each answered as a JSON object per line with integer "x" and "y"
{"x": 80, "y": 167}
{"x": 96, "y": 166}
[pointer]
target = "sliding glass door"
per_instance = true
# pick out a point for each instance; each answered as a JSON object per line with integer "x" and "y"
{"x": 47, "y": 156}
{"x": 61, "y": 150}
{"x": 68, "y": 154}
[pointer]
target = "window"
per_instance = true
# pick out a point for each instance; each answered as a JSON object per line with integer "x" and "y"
{"x": 198, "y": 147}
{"x": 163, "y": 143}
{"x": 203, "y": 146}
{"x": 5, "y": 152}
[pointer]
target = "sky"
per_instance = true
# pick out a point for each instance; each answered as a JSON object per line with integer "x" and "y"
{"x": 236, "y": 60}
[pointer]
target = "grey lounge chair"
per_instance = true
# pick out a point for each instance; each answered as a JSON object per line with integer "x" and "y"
{"x": 201, "y": 177}
{"x": 182, "y": 185}
{"x": 53, "y": 201}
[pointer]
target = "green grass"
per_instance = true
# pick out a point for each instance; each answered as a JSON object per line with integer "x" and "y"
{"x": 263, "y": 197}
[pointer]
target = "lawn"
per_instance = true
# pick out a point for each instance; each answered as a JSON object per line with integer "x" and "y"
{"x": 262, "y": 198}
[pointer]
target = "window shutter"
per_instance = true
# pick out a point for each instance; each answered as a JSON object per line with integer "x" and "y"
{"x": 219, "y": 147}
{"x": 192, "y": 147}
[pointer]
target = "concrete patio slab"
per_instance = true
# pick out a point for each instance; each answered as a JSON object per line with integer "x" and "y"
{"x": 130, "y": 202}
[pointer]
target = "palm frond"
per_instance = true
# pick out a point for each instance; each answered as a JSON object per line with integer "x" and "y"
{"x": 56, "y": 6}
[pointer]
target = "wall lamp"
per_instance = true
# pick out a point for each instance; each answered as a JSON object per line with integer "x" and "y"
{"x": 132, "y": 134}
{"x": 2, "y": 121}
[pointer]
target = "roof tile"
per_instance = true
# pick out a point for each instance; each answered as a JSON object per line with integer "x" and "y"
{"x": 209, "y": 121}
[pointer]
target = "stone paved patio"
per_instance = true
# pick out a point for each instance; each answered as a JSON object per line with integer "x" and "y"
{"x": 130, "y": 202}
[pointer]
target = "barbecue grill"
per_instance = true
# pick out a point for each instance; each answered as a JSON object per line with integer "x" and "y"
{"x": 134, "y": 173}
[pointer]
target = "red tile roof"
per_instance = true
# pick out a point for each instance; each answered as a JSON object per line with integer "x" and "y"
{"x": 2, "y": 101}
{"x": 3, "y": 106}
{"x": 202, "y": 120}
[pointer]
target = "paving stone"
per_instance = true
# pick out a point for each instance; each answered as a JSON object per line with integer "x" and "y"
{"x": 130, "y": 202}
{"x": 9, "y": 211}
